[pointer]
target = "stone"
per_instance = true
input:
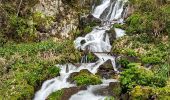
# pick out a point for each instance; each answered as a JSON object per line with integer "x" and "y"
{"x": 112, "y": 35}
{"x": 114, "y": 89}
{"x": 106, "y": 70}
{"x": 68, "y": 92}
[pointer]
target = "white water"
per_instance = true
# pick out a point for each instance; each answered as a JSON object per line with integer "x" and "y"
{"x": 83, "y": 95}
{"x": 100, "y": 9}
{"x": 115, "y": 9}
{"x": 97, "y": 42}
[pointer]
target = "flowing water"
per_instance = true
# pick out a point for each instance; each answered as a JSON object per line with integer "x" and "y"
{"x": 97, "y": 42}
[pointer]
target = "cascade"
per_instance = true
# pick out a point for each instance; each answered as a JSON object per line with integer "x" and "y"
{"x": 97, "y": 42}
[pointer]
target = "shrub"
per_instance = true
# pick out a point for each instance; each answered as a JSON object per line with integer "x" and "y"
{"x": 123, "y": 62}
{"x": 151, "y": 60}
{"x": 20, "y": 29}
{"x": 149, "y": 17}
{"x": 136, "y": 75}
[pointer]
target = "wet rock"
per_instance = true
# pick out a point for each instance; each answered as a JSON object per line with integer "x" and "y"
{"x": 114, "y": 89}
{"x": 68, "y": 92}
{"x": 124, "y": 96}
{"x": 72, "y": 75}
{"x": 106, "y": 70}
{"x": 89, "y": 20}
{"x": 112, "y": 35}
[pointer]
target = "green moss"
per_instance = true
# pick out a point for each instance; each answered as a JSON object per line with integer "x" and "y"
{"x": 85, "y": 79}
{"x": 56, "y": 95}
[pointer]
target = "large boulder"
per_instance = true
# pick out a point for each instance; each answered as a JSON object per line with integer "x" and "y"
{"x": 106, "y": 70}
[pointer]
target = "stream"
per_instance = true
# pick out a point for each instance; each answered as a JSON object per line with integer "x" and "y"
{"x": 97, "y": 41}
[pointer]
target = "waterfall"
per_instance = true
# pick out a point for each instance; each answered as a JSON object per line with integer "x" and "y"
{"x": 97, "y": 42}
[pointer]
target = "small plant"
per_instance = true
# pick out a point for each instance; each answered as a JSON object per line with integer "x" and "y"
{"x": 123, "y": 62}
{"x": 90, "y": 57}
{"x": 87, "y": 29}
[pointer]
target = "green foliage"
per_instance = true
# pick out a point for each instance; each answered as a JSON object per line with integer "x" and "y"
{"x": 18, "y": 25}
{"x": 42, "y": 21}
{"x": 136, "y": 75}
{"x": 27, "y": 65}
{"x": 56, "y": 95}
{"x": 21, "y": 29}
{"x": 139, "y": 23}
{"x": 87, "y": 29}
{"x": 151, "y": 60}
{"x": 145, "y": 92}
{"x": 149, "y": 17}
{"x": 123, "y": 62}
{"x": 122, "y": 26}
{"x": 163, "y": 70}
{"x": 90, "y": 57}
{"x": 130, "y": 52}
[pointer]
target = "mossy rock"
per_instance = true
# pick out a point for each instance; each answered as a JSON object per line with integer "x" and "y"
{"x": 84, "y": 77}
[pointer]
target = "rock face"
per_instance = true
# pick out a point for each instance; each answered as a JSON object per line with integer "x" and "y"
{"x": 112, "y": 35}
{"x": 106, "y": 70}
{"x": 66, "y": 15}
